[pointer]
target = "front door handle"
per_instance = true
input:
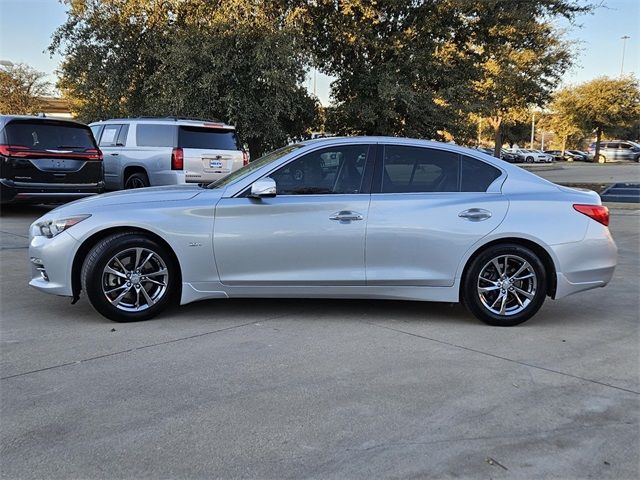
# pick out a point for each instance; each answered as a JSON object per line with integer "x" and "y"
{"x": 475, "y": 214}
{"x": 346, "y": 216}
{"x": 114, "y": 154}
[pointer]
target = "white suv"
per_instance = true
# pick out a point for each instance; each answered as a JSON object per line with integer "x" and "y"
{"x": 142, "y": 152}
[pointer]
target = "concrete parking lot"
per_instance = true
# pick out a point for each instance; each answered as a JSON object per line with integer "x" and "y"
{"x": 583, "y": 172}
{"x": 322, "y": 388}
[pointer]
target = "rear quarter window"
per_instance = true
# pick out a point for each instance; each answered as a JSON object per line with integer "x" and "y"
{"x": 155, "y": 135}
{"x": 208, "y": 138}
{"x": 476, "y": 175}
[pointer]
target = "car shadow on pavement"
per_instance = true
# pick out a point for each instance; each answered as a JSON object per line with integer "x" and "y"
{"x": 21, "y": 211}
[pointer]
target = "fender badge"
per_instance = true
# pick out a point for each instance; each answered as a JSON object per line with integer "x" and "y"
{"x": 195, "y": 244}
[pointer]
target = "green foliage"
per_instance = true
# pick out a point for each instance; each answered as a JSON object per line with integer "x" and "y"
{"x": 603, "y": 105}
{"x": 21, "y": 90}
{"x": 419, "y": 68}
{"x": 238, "y": 61}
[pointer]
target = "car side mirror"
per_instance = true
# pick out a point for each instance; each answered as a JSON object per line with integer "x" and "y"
{"x": 264, "y": 187}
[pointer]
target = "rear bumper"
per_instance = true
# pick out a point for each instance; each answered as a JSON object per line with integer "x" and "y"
{"x": 25, "y": 192}
{"x": 587, "y": 264}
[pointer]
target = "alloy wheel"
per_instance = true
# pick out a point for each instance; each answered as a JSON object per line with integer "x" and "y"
{"x": 135, "y": 279}
{"x": 507, "y": 285}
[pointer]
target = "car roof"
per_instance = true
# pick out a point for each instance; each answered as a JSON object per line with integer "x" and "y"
{"x": 196, "y": 122}
{"x": 4, "y": 119}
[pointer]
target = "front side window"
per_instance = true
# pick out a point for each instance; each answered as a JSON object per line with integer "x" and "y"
{"x": 155, "y": 135}
{"x": 109, "y": 136}
{"x": 416, "y": 169}
{"x": 333, "y": 170}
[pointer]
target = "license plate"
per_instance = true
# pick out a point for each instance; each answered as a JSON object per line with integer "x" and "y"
{"x": 215, "y": 164}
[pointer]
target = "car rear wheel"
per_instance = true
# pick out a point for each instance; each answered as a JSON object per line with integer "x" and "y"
{"x": 529, "y": 159}
{"x": 505, "y": 285}
{"x": 130, "y": 277}
{"x": 136, "y": 180}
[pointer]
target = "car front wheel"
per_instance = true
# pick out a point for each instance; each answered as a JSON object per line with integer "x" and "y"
{"x": 505, "y": 285}
{"x": 130, "y": 277}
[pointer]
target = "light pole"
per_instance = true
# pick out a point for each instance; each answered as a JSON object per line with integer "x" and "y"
{"x": 624, "y": 44}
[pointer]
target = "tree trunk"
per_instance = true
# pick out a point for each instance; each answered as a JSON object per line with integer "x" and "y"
{"x": 255, "y": 148}
{"x": 496, "y": 123}
{"x": 564, "y": 145}
{"x": 596, "y": 155}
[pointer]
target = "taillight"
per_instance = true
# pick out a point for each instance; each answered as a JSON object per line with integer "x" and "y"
{"x": 599, "y": 213}
{"x": 245, "y": 157}
{"x": 177, "y": 159}
{"x": 94, "y": 154}
{"x": 12, "y": 150}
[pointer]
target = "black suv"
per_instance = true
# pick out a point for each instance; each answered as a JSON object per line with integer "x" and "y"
{"x": 47, "y": 160}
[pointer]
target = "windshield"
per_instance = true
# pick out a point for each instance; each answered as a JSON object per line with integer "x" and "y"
{"x": 253, "y": 166}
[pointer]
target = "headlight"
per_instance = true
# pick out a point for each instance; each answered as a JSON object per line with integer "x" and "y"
{"x": 51, "y": 228}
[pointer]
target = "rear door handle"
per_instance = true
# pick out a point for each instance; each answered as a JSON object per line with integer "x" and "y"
{"x": 346, "y": 216}
{"x": 475, "y": 214}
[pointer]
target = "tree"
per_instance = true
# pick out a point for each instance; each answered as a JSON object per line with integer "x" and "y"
{"x": 21, "y": 90}
{"x": 563, "y": 121}
{"x": 419, "y": 68}
{"x": 603, "y": 105}
{"x": 239, "y": 61}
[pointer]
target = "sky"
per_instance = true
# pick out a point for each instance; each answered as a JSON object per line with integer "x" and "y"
{"x": 26, "y": 27}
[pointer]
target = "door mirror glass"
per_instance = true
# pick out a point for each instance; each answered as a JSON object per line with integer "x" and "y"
{"x": 265, "y": 187}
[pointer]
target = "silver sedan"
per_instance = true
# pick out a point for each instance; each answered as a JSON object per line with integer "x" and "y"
{"x": 368, "y": 217}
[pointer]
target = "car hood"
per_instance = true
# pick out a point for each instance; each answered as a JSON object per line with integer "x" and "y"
{"x": 139, "y": 195}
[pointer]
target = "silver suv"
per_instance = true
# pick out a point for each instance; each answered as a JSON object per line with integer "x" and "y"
{"x": 142, "y": 152}
{"x": 614, "y": 150}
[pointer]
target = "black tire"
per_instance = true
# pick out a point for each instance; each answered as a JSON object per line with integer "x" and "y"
{"x": 529, "y": 159}
{"x": 136, "y": 180}
{"x": 93, "y": 277}
{"x": 538, "y": 290}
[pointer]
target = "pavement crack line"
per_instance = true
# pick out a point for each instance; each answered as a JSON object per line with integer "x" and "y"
{"x": 142, "y": 347}
{"x": 525, "y": 364}
{"x": 14, "y": 234}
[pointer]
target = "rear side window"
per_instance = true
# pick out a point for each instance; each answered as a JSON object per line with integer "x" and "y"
{"x": 416, "y": 169}
{"x": 49, "y": 135}
{"x": 155, "y": 135}
{"x": 208, "y": 138}
{"x": 476, "y": 176}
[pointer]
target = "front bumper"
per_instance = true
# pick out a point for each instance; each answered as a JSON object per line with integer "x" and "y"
{"x": 27, "y": 192}
{"x": 54, "y": 256}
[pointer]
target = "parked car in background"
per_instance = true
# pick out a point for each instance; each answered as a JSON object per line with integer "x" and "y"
{"x": 616, "y": 150}
{"x": 387, "y": 218}
{"x": 508, "y": 156}
{"x": 532, "y": 156}
{"x": 579, "y": 155}
{"x": 559, "y": 156}
{"x": 45, "y": 160}
{"x": 143, "y": 152}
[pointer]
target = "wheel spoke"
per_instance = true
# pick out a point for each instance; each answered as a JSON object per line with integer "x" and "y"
{"x": 149, "y": 300}
{"x": 496, "y": 264}
{"x": 116, "y": 300}
{"x": 162, "y": 271}
{"x": 156, "y": 282}
{"x": 146, "y": 260}
{"x": 503, "y": 304}
{"x": 124, "y": 269}
{"x": 110, "y": 270}
{"x": 496, "y": 300}
{"x": 522, "y": 268}
{"x": 524, "y": 292}
{"x": 488, "y": 289}
{"x": 515, "y": 294}
{"x": 518, "y": 279}
{"x": 137, "y": 260}
{"x": 137, "y": 298}
{"x": 116, "y": 289}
